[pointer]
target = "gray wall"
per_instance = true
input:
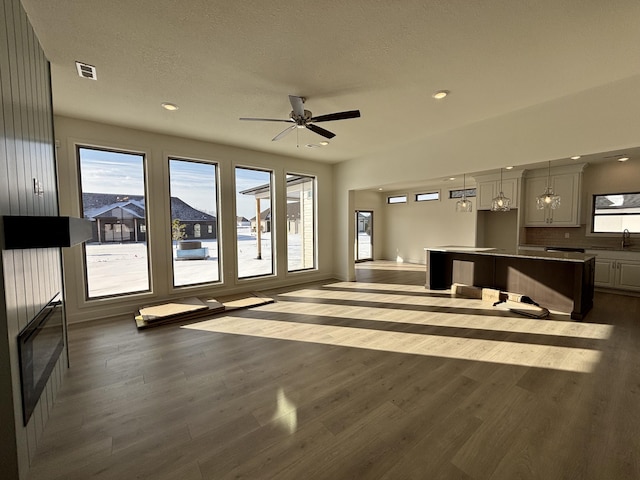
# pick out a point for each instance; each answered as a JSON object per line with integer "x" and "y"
{"x": 30, "y": 278}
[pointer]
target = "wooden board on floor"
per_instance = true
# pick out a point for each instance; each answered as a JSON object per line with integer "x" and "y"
{"x": 210, "y": 306}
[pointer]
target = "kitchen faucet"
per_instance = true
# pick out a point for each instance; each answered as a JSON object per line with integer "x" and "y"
{"x": 626, "y": 238}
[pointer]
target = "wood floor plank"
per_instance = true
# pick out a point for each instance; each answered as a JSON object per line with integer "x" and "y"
{"x": 373, "y": 379}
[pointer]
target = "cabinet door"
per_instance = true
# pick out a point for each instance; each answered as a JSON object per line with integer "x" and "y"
{"x": 566, "y": 186}
{"x": 485, "y": 193}
{"x": 628, "y": 275}
{"x": 533, "y": 217}
{"x": 510, "y": 190}
{"x": 605, "y": 272}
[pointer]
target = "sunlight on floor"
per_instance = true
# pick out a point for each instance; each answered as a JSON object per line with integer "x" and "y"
{"x": 504, "y": 352}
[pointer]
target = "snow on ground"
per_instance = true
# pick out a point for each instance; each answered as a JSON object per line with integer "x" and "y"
{"x": 114, "y": 268}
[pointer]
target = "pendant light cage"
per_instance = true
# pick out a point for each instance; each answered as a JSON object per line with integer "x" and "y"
{"x": 501, "y": 203}
{"x": 464, "y": 205}
{"x": 548, "y": 199}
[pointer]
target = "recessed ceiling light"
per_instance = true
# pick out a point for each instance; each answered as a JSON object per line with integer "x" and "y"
{"x": 452, "y": 178}
{"x": 172, "y": 107}
{"x": 324, "y": 143}
{"x": 623, "y": 159}
{"x": 575, "y": 157}
{"x": 380, "y": 189}
{"x": 440, "y": 94}
{"x": 509, "y": 168}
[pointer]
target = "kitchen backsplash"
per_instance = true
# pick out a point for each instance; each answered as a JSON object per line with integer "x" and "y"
{"x": 556, "y": 237}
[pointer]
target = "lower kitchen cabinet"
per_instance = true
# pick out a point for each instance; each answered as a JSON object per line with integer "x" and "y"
{"x": 618, "y": 273}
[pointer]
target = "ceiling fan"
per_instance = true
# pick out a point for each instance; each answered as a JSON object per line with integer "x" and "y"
{"x": 302, "y": 118}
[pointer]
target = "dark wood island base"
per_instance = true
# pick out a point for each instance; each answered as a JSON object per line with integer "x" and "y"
{"x": 555, "y": 280}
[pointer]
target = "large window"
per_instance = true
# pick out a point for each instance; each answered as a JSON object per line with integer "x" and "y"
{"x": 254, "y": 222}
{"x": 301, "y": 206}
{"x": 113, "y": 197}
{"x": 194, "y": 222}
{"x": 616, "y": 212}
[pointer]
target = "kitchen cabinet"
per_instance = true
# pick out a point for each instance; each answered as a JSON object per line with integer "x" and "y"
{"x": 488, "y": 190}
{"x": 567, "y": 186}
{"x": 618, "y": 270}
{"x": 488, "y": 187}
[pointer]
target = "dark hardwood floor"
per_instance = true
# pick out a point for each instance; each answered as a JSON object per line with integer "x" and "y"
{"x": 374, "y": 379}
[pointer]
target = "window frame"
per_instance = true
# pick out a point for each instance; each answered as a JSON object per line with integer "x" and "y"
{"x": 436, "y": 192}
{"x": 216, "y": 165}
{"x": 314, "y": 181}
{"x": 594, "y": 215}
{"x": 147, "y": 221}
{"x": 399, "y": 202}
{"x": 272, "y": 222}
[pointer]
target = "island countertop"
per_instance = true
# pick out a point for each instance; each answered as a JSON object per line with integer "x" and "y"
{"x": 517, "y": 253}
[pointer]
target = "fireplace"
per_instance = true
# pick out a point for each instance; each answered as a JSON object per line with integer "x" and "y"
{"x": 39, "y": 347}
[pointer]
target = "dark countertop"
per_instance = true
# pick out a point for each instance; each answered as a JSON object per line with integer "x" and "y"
{"x": 519, "y": 253}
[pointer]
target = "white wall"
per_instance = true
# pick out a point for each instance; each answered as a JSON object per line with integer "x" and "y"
{"x": 157, "y": 149}
{"x": 412, "y": 226}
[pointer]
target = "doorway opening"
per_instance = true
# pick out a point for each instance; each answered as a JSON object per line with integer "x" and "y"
{"x": 364, "y": 235}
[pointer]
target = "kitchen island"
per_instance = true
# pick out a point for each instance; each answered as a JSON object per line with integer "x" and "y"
{"x": 561, "y": 281}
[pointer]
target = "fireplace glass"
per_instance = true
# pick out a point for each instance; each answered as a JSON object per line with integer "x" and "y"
{"x": 39, "y": 347}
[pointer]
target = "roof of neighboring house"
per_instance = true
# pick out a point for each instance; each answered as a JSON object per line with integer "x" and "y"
{"x": 99, "y": 204}
{"x": 186, "y": 213}
{"x": 623, "y": 200}
{"x": 293, "y": 211}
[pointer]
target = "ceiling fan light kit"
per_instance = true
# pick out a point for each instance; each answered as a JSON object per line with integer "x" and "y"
{"x": 302, "y": 118}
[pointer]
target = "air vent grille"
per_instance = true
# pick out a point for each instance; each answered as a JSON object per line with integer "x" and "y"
{"x": 87, "y": 71}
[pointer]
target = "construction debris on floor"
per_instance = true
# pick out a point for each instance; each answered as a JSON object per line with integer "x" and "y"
{"x": 185, "y": 309}
{"x": 513, "y": 302}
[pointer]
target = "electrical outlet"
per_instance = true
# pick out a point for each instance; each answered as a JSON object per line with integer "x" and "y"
{"x": 566, "y": 235}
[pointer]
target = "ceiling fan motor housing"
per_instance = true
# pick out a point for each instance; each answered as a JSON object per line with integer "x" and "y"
{"x": 301, "y": 120}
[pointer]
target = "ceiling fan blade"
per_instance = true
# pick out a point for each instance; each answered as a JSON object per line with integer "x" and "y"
{"x": 284, "y": 132}
{"x": 297, "y": 103}
{"x": 336, "y": 116}
{"x": 266, "y": 119}
{"x": 320, "y": 131}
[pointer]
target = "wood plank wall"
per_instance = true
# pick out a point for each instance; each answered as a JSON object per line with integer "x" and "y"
{"x": 30, "y": 278}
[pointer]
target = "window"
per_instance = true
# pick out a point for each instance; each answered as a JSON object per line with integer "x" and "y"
{"x": 255, "y": 222}
{"x": 427, "y": 197}
{"x": 193, "y": 189}
{"x": 301, "y": 207}
{"x": 112, "y": 187}
{"x": 469, "y": 192}
{"x": 397, "y": 199}
{"x": 616, "y": 212}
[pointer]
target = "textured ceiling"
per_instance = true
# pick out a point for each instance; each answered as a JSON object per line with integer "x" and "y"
{"x": 220, "y": 60}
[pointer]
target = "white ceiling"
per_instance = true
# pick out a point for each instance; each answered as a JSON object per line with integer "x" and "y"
{"x": 222, "y": 59}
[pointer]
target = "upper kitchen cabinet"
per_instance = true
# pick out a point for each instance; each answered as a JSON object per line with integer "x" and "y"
{"x": 566, "y": 181}
{"x": 488, "y": 187}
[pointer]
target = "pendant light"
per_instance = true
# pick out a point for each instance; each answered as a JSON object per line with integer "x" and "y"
{"x": 501, "y": 203}
{"x": 548, "y": 199}
{"x": 464, "y": 205}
